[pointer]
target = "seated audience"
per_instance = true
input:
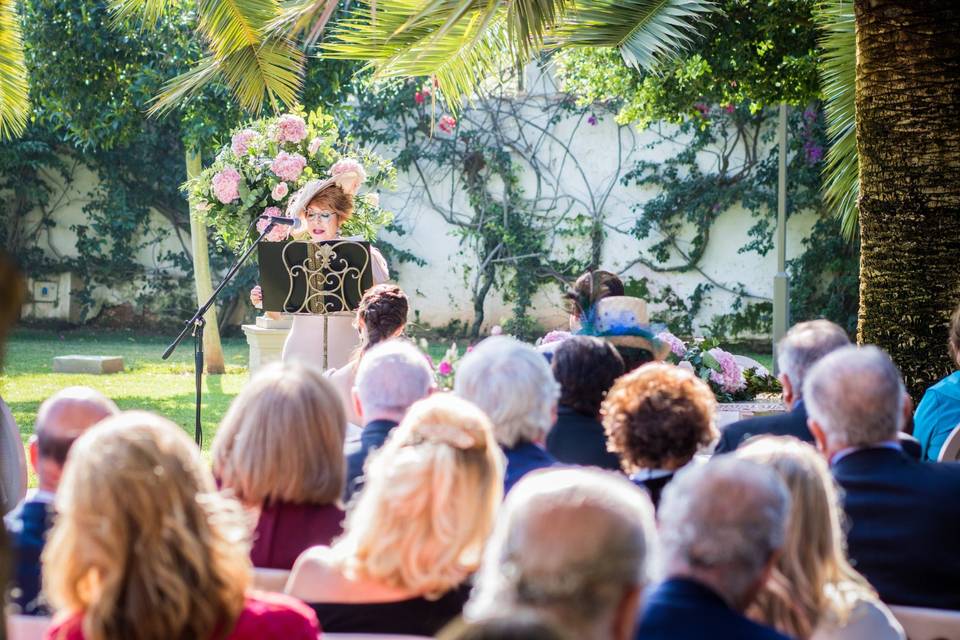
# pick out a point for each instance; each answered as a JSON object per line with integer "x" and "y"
{"x": 514, "y": 386}
{"x": 279, "y": 451}
{"x": 143, "y": 547}
{"x": 390, "y": 377}
{"x": 61, "y": 419}
{"x": 574, "y": 545}
{"x": 416, "y": 532}
{"x": 938, "y": 413}
{"x": 585, "y": 368}
{"x": 722, "y": 525}
{"x": 382, "y": 315}
{"x": 798, "y": 351}
{"x": 657, "y": 418}
{"x": 904, "y": 514}
{"x": 813, "y": 591}
{"x": 519, "y": 625}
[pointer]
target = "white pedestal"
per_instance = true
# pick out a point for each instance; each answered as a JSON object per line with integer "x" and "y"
{"x": 266, "y": 339}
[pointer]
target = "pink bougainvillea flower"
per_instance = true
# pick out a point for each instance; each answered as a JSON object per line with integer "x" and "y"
{"x": 226, "y": 185}
{"x": 418, "y": 97}
{"x": 447, "y": 123}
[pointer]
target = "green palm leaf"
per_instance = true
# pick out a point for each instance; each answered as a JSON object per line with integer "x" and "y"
{"x": 14, "y": 90}
{"x": 257, "y": 66}
{"x": 838, "y": 69}
{"x": 644, "y": 30}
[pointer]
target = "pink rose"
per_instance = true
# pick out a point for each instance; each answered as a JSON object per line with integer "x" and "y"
{"x": 225, "y": 185}
{"x": 445, "y": 368}
{"x": 447, "y": 123}
{"x": 280, "y": 191}
{"x": 496, "y": 330}
{"x": 241, "y": 141}
{"x": 314, "y": 146}
{"x": 348, "y": 174}
{"x": 288, "y": 166}
{"x": 290, "y": 128}
{"x": 279, "y": 232}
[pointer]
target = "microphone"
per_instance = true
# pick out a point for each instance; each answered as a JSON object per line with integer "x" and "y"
{"x": 283, "y": 221}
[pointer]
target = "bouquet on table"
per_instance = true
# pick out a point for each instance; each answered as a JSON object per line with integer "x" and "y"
{"x": 729, "y": 381}
{"x": 268, "y": 159}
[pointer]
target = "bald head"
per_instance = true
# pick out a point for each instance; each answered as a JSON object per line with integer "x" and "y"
{"x": 572, "y": 543}
{"x": 61, "y": 419}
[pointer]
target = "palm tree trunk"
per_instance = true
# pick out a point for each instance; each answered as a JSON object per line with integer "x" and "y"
{"x": 908, "y": 139}
{"x": 212, "y": 350}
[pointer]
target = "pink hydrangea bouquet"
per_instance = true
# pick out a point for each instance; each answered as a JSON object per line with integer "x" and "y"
{"x": 264, "y": 163}
{"x": 719, "y": 368}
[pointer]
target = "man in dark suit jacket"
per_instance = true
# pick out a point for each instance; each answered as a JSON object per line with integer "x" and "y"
{"x": 798, "y": 351}
{"x": 390, "y": 378}
{"x": 62, "y": 418}
{"x": 710, "y": 585}
{"x": 904, "y": 514}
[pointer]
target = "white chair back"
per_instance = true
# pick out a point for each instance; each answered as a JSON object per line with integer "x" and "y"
{"x": 928, "y": 624}
{"x": 27, "y": 627}
{"x": 950, "y": 451}
{"x": 270, "y": 579}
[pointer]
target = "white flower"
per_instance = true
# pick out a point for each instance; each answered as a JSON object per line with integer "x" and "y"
{"x": 373, "y": 199}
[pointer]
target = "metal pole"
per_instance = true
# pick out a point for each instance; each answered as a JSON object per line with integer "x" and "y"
{"x": 781, "y": 297}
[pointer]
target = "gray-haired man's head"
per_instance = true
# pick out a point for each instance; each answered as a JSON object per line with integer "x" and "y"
{"x": 805, "y": 344}
{"x": 854, "y": 398}
{"x": 573, "y": 544}
{"x": 721, "y": 524}
{"x": 391, "y": 376}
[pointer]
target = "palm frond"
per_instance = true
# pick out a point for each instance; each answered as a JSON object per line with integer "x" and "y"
{"x": 268, "y": 72}
{"x": 644, "y": 30}
{"x": 148, "y": 10}
{"x": 14, "y": 89}
{"x": 460, "y": 56}
{"x": 838, "y": 72}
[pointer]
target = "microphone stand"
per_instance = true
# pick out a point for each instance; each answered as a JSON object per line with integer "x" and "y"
{"x": 198, "y": 322}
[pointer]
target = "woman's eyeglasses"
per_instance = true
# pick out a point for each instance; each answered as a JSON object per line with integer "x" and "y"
{"x": 317, "y": 214}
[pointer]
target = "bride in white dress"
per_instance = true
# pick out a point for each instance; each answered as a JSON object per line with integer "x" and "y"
{"x": 321, "y": 207}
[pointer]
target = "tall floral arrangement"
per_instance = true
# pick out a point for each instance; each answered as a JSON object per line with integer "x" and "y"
{"x": 267, "y": 160}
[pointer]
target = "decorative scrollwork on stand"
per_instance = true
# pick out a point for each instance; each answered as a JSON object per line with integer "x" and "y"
{"x": 329, "y": 278}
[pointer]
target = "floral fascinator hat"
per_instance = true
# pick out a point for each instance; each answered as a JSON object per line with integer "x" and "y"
{"x": 622, "y": 321}
{"x": 346, "y": 173}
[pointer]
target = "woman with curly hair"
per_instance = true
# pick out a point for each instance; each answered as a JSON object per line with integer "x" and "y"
{"x": 657, "y": 417}
{"x": 417, "y": 530}
{"x": 144, "y": 547}
{"x": 382, "y": 315}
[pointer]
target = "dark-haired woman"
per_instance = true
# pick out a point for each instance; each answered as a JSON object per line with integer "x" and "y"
{"x": 586, "y": 368}
{"x": 382, "y": 315}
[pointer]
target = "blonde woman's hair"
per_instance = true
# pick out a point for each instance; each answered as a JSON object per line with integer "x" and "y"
{"x": 282, "y": 439}
{"x": 429, "y": 500}
{"x": 143, "y": 546}
{"x": 813, "y": 579}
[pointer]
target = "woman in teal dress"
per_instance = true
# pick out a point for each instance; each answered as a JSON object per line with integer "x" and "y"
{"x": 939, "y": 411}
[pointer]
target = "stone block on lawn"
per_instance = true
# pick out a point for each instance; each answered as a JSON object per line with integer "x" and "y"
{"x": 96, "y": 365}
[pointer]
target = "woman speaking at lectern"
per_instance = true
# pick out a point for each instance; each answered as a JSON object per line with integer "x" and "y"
{"x": 321, "y": 207}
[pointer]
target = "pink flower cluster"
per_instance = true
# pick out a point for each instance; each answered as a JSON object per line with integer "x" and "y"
{"x": 280, "y": 191}
{"x": 291, "y": 128}
{"x": 225, "y": 185}
{"x": 240, "y": 142}
{"x": 677, "y": 347}
{"x": 279, "y": 232}
{"x": 288, "y": 166}
{"x": 730, "y": 377}
{"x": 447, "y": 124}
{"x": 445, "y": 368}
